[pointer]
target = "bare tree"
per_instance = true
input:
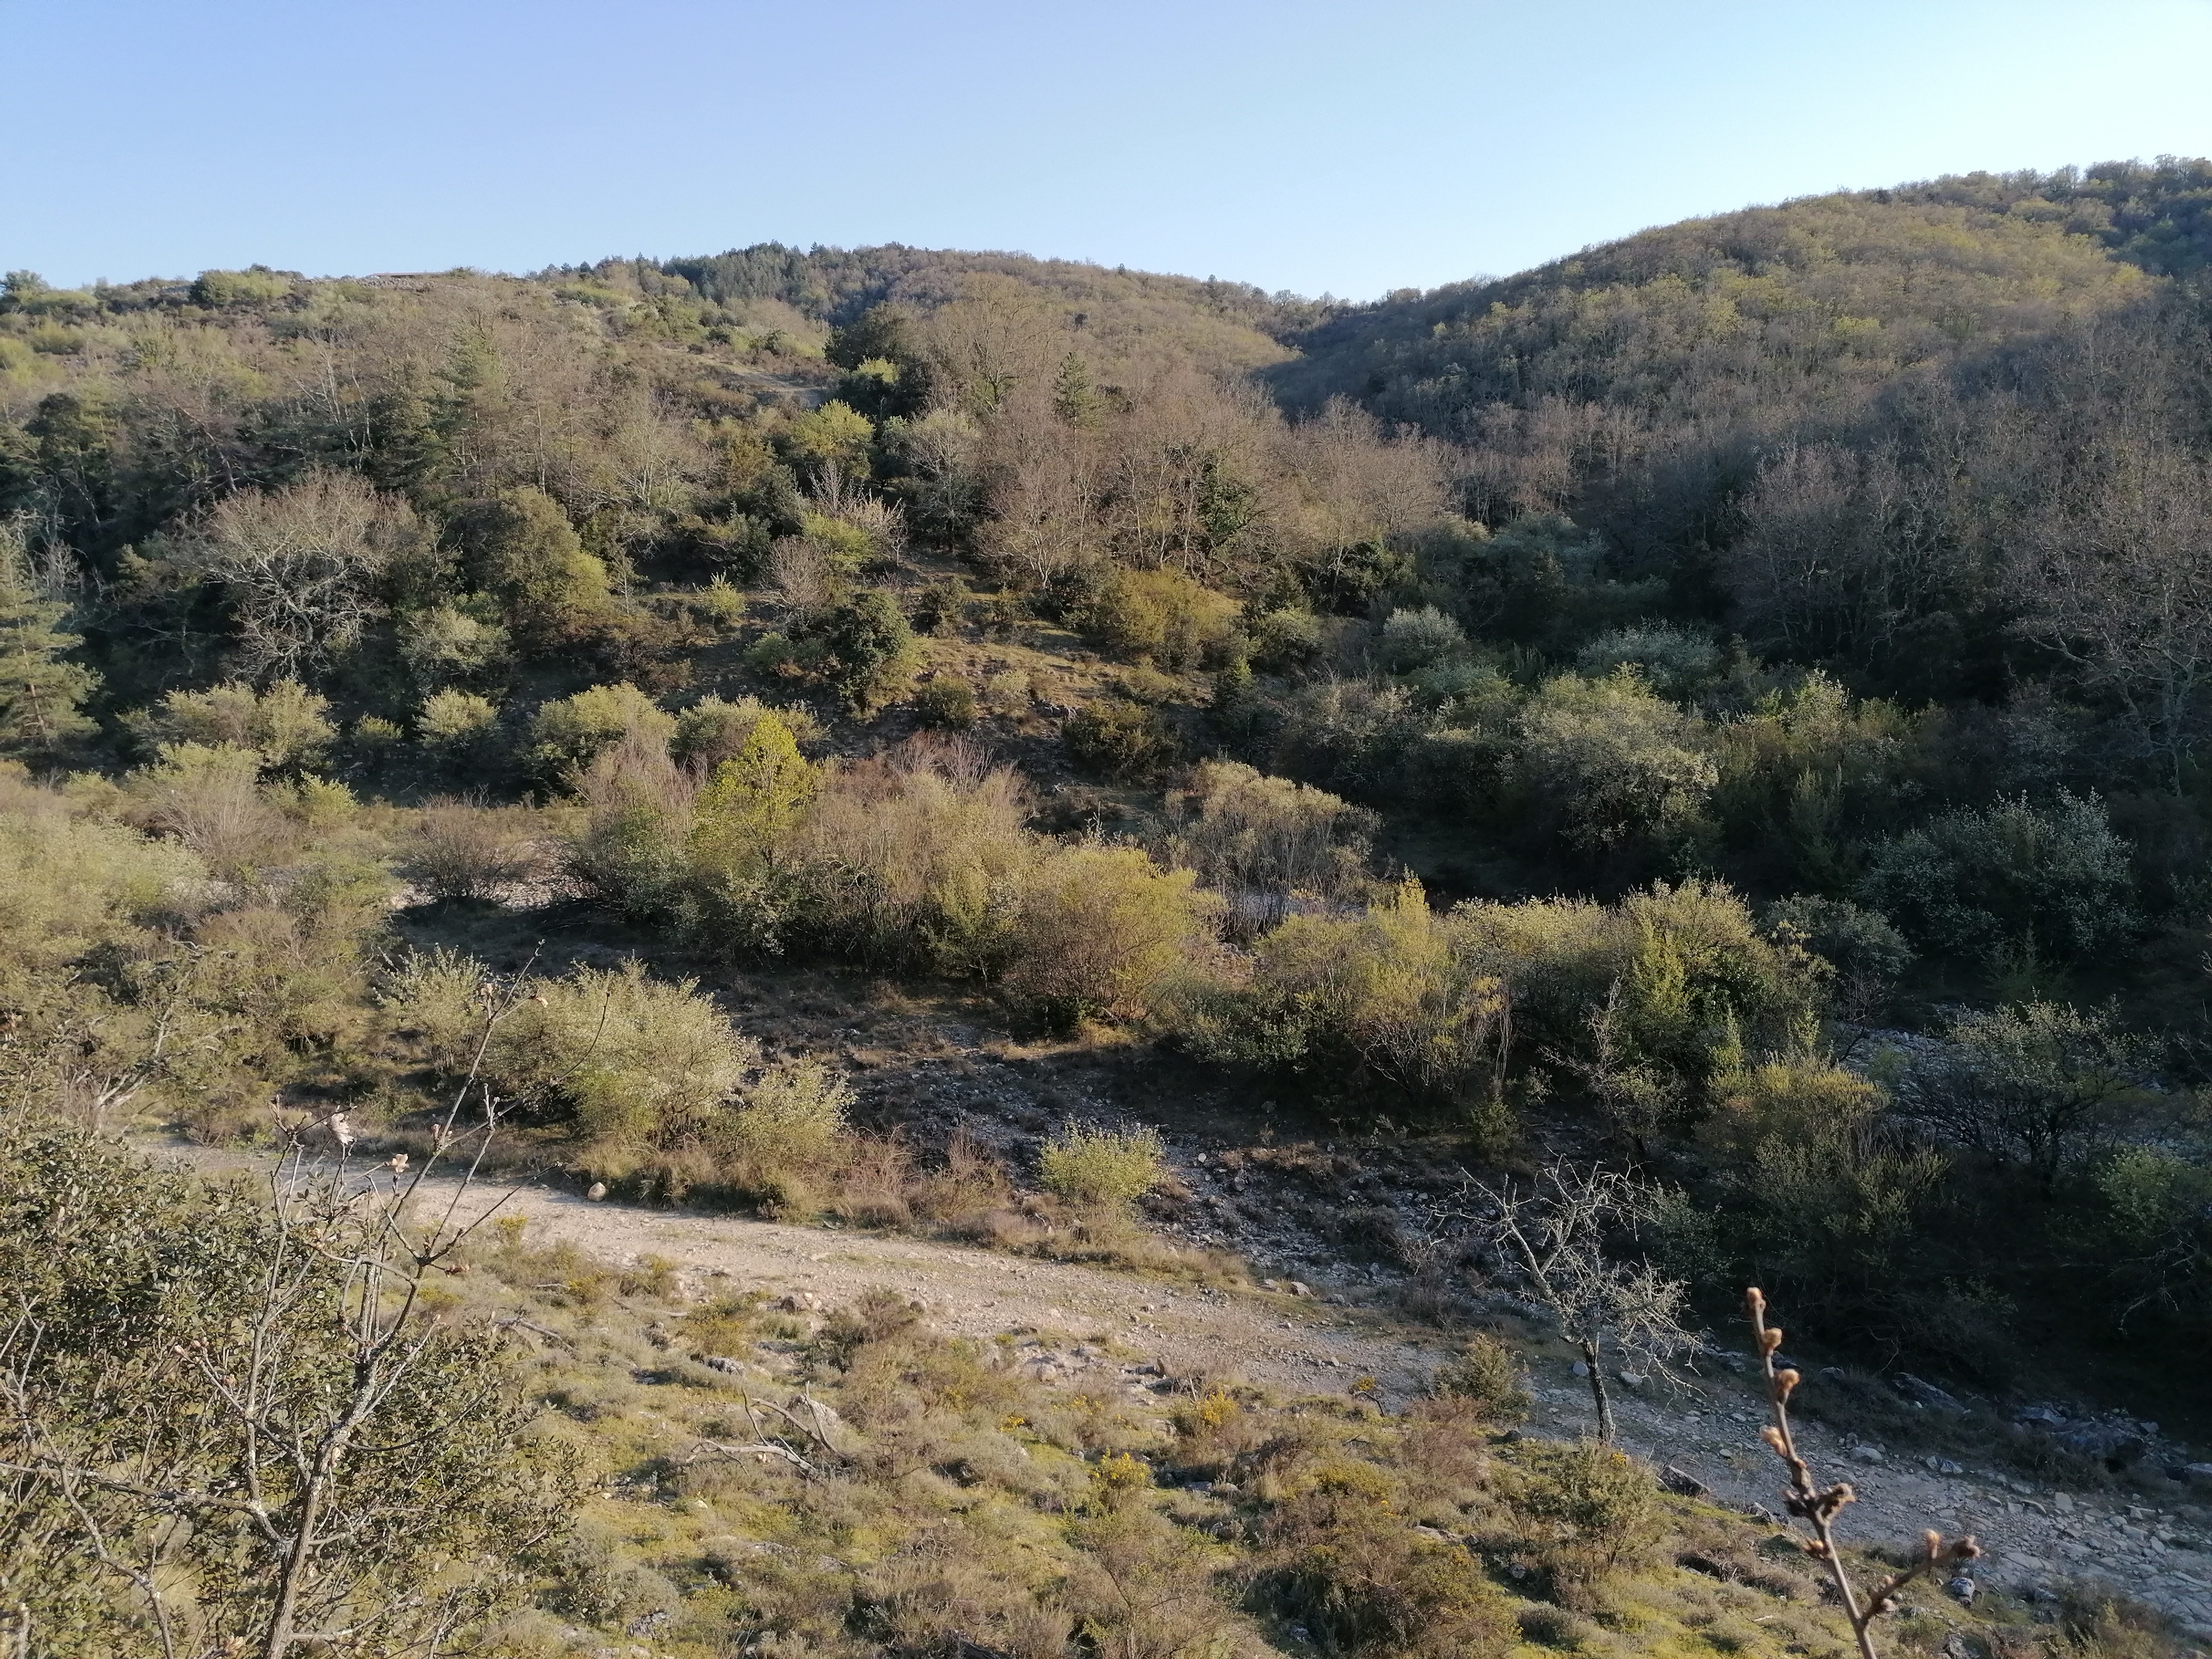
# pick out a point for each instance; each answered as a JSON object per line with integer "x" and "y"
{"x": 300, "y": 565}
{"x": 2120, "y": 585}
{"x": 1818, "y": 1506}
{"x": 1552, "y": 1233}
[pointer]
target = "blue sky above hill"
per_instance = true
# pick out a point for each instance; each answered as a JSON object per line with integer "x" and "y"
{"x": 1309, "y": 147}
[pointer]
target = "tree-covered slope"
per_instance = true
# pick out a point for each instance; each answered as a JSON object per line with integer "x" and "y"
{"x": 1771, "y": 309}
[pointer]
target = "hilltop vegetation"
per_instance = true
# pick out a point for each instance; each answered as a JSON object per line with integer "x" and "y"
{"x": 1577, "y": 713}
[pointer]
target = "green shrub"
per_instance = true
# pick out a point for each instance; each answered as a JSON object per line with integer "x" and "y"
{"x": 943, "y": 604}
{"x": 527, "y": 554}
{"x": 947, "y": 703}
{"x": 1610, "y": 760}
{"x": 867, "y": 650}
{"x": 1359, "y": 1576}
{"x": 1860, "y": 943}
{"x": 256, "y": 285}
{"x": 373, "y": 738}
{"x": 2153, "y": 1225}
{"x": 1415, "y": 640}
{"x": 784, "y": 1134}
{"x": 2037, "y": 1084}
{"x": 1694, "y": 974}
{"x": 1389, "y": 997}
{"x": 1588, "y": 1510}
{"x": 1265, "y": 841}
{"x": 712, "y": 729}
{"x": 630, "y": 852}
{"x": 1121, "y": 739}
{"x": 2012, "y": 882}
{"x": 449, "y": 642}
{"x": 632, "y": 1066}
{"x": 1110, "y": 1168}
{"x": 1286, "y": 640}
{"x": 287, "y": 725}
{"x": 1100, "y": 929}
{"x": 568, "y": 734}
{"x": 457, "y": 725}
{"x": 1161, "y": 616}
{"x": 1488, "y": 1377}
{"x": 1675, "y": 661}
{"x": 167, "y": 1312}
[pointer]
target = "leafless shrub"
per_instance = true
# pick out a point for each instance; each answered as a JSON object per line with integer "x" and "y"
{"x": 462, "y": 850}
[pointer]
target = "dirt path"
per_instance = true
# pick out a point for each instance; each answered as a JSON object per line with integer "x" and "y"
{"x": 1090, "y": 1326}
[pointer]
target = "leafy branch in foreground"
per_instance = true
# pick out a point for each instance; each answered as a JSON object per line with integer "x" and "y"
{"x": 1818, "y": 1506}
{"x": 230, "y": 1426}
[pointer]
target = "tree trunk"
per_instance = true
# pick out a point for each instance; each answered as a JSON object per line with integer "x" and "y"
{"x": 1597, "y": 1391}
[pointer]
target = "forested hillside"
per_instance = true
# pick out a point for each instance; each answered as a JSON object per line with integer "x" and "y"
{"x": 1721, "y": 717}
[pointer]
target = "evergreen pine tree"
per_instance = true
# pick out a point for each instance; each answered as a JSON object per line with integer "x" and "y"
{"x": 40, "y": 694}
{"x": 1072, "y": 399}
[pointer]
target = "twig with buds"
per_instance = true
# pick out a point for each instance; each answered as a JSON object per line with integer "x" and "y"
{"x": 1818, "y": 1506}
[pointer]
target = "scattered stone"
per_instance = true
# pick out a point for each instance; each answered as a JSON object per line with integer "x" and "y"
{"x": 2037, "y": 1417}
{"x": 1632, "y": 1378}
{"x": 1581, "y": 1370}
{"x": 1866, "y": 1454}
{"x": 1963, "y": 1589}
{"x": 723, "y": 1363}
{"x": 797, "y": 1302}
{"x": 2197, "y": 1474}
{"x": 596, "y": 1191}
{"x": 1922, "y": 1392}
{"x": 1942, "y": 1466}
{"x": 2063, "y": 1502}
{"x": 1682, "y": 1483}
{"x": 1297, "y": 1288}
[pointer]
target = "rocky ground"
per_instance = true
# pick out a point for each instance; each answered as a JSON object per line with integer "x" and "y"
{"x": 1086, "y": 1327}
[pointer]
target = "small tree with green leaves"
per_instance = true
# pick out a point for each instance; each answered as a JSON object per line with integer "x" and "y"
{"x": 41, "y": 695}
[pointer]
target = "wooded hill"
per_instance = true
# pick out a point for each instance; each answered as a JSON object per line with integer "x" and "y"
{"x": 1583, "y": 708}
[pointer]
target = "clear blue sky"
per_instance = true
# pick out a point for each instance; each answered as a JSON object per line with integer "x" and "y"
{"x": 1352, "y": 148}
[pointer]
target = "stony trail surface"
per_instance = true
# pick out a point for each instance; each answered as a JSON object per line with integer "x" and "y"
{"x": 1095, "y": 1327}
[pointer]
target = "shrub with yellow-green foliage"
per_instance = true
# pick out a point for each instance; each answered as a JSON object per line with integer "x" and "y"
{"x": 714, "y": 730}
{"x": 639, "y": 1080}
{"x": 1587, "y": 1510}
{"x": 1107, "y": 1169}
{"x": 1391, "y": 995}
{"x": 920, "y": 858}
{"x": 1434, "y": 1006}
{"x": 1612, "y": 760}
{"x": 287, "y": 725}
{"x": 567, "y": 735}
{"x": 1101, "y": 930}
{"x": 1161, "y": 616}
{"x": 136, "y": 979}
